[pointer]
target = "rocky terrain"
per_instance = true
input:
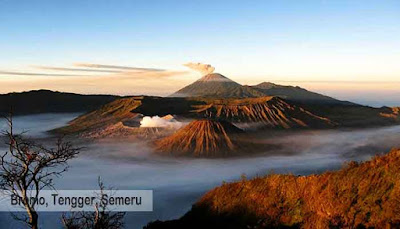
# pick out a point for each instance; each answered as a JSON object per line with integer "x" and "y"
{"x": 391, "y": 112}
{"x": 272, "y": 112}
{"x": 202, "y": 138}
{"x": 112, "y": 113}
{"x": 123, "y": 131}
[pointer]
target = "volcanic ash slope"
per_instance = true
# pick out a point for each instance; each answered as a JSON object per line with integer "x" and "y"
{"x": 202, "y": 138}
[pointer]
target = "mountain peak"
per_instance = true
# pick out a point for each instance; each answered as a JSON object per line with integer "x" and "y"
{"x": 266, "y": 85}
{"x": 215, "y": 77}
{"x": 218, "y": 86}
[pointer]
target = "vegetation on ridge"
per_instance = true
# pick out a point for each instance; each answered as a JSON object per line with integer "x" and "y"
{"x": 360, "y": 195}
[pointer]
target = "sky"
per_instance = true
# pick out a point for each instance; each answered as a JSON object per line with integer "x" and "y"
{"x": 347, "y": 49}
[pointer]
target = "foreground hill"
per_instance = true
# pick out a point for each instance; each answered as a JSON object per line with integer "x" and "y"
{"x": 296, "y": 94}
{"x": 202, "y": 138}
{"x": 217, "y": 86}
{"x": 365, "y": 195}
{"x": 271, "y": 112}
{"x": 45, "y": 101}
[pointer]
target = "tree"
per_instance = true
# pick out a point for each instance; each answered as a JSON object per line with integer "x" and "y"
{"x": 28, "y": 167}
{"x": 100, "y": 218}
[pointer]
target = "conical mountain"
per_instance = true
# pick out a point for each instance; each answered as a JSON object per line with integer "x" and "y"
{"x": 217, "y": 86}
{"x": 201, "y": 138}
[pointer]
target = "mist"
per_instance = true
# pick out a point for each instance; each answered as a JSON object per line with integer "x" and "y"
{"x": 180, "y": 182}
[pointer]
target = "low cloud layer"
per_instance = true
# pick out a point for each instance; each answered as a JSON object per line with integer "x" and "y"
{"x": 156, "y": 121}
{"x": 35, "y": 74}
{"x": 77, "y": 69}
{"x": 128, "y": 68}
{"x": 91, "y": 68}
{"x": 204, "y": 69}
{"x": 89, "y": 78}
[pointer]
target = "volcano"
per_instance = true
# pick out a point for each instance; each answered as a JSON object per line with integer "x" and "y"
{"x": 201, "y": 138}
{"x": 217, "y": 86}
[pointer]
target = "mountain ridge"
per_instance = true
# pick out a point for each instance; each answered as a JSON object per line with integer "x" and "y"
{"x": 296, "y": 93}
{"x": 272, "y": 112}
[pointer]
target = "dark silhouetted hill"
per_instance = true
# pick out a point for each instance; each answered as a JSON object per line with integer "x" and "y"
{"x": 45, "y": 101}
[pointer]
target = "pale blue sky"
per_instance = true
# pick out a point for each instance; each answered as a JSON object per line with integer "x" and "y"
{"x": 249, "y": 41}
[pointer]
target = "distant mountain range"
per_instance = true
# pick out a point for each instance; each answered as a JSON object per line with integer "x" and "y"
{"x": 296, "y": 94}
{"x": 218, "y": 86}
{"x": 46, "y": 101}
{"x": 209, "y": 86}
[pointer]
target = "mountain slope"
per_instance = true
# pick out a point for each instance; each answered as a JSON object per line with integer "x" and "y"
{"x": 273, "y": 112}
{"x": 365, "y": 195}
{"x": 111, "y": 113}
{"x": 201, "y": 138}
{"x": 295, "y": 94}
{"x": 355, "y": 115}
{"x": 391, "y": 112}
{"x": 45, "y": 101}
{"x": 217, "y": 86}
{"x": 129, "y": 110}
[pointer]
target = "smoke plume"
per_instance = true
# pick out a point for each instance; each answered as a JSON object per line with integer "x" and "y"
{"x": 167, "y": 121}
{"x": 202, "y": 68}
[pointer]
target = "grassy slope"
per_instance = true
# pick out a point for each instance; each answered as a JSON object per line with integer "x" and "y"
{"x": 357, "y": 196}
